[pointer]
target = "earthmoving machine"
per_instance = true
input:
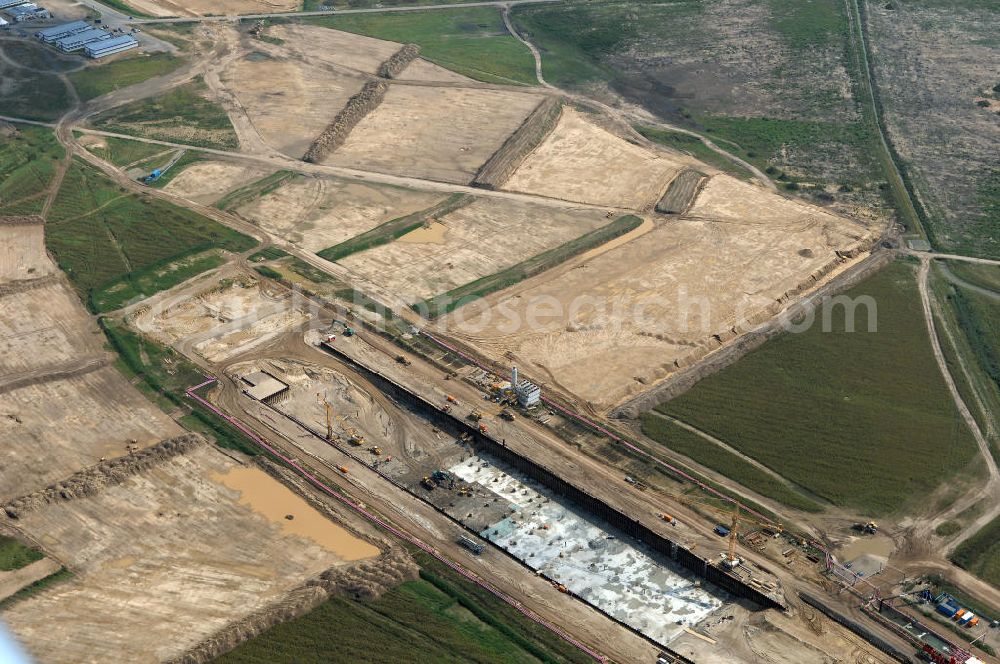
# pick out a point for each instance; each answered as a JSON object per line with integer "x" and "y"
{"x": 483, "y": 429}
{"x": 403, "y": 360}
{"x": 376, "y": 450}
{"x": 428, "y": 483}
{"x": 507, "y": 414}
{"x": 355, "y": 437}
{"x": 450, "y": 399}
{"x": 476, "y": 415}
{"x": 868, "y": 528}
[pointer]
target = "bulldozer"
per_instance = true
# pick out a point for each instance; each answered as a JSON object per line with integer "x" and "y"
{"x": 476, "y": 415}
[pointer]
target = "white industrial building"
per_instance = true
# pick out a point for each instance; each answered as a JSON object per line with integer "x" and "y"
{"x": 78, "y": 40}
{"x": 107, "y": 47}
{"x": 528, "y": 394}
{"x": 49, "y": 35}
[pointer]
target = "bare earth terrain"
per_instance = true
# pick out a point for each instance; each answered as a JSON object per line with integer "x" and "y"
{"x": 205, "y": 7}
{"x": 207, "y": 181}
{"x": 479, "y": 239}
{"x": 316, "y": 213}
{"x": 608, "y": 327}
{"x": 582, "y": 162}
{"x": 442, "y": 134}
{"x": 172, "y": 541}
{"x": 22, "y": 252}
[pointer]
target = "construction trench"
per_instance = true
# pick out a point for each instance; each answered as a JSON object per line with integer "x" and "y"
{"x": 484, "y": 444}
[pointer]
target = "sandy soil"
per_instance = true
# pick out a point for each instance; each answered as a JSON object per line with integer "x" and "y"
{"x": 268, "y": 88}
{"x": 618, "y": 322}
{"x": 441, "y": 134}
{"x": 724, "y": 198}
{"x": 580, "y": 161}
{"x": 205, "y": 7}
{"x": 223, "y": 319}
{"x": 22, "y": 253}
{"x": 172, "y": 554}
{"x": 316, "y": 213}
{"x": 322, "y": 46}
{"x": 207, "y": 181}
{"x": 44, "y": 326}
{"x": 77, "y": 422}
{"x": 479, "y": 239}
{"x": 422, "y": 70}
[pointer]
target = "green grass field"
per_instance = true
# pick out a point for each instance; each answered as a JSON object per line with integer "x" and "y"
{"x": 459, "y": 297}
{"x": 96, "y": 81}
{"x": 723, "y": 461}
{"x": 102, "y": 235}
{"x": 28, "y": 160}
{"x": 980, "y": 554}
{"x": 32, "y": 95}
{"x": 182, "y": 115}
{"x": 15, "y": 555}
{"x": 438, "y": 618}
{"x": 122, "y": 151}
{"x": 857, "y": 418}
{"x": 984, "y": 276}
{"x": 143, "y": 283}
{"x": 695, "y": 148}
{"x": 471, "y": 41}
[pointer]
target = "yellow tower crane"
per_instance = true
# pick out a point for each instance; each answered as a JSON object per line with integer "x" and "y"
{"x": 735, "y": 518}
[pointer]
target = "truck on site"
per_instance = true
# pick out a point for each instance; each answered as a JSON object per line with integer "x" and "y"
{"x": 153, "y": 176}
{"x": 507, "y": 414}
{"x": 476, "y": 415}
{"x": 402, "y": 359}
{"x": 471, "y": 544}
{"x": 868, "y": 528}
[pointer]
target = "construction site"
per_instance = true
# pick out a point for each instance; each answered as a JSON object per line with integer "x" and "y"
{"x": 443, "y": 304}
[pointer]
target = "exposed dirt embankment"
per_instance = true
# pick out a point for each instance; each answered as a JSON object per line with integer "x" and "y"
{"x": 357, "y": 107}
{"x": 727, "y": 347}
{"x": 535, "y": 128}
{"x": 22, "y": 220}
{"x": 22, "y": 285}
{"x": 107, "y": 473}
{"x": 399, "y": 61}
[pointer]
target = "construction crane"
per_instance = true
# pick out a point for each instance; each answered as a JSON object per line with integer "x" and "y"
{"x": 330, "y": 417}
{"x": 731, "y": 560}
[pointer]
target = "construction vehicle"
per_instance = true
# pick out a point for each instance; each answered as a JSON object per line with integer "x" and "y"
{"x": 471, "y": 544}
{"x": 348, "y": 331}
{"x": 507, "y": 414}
{"x": 450, "y": 399}
{"x": 153, "y": 176}
{"x": 483, "y": 429}
{"x": 666, "y": 517}
{"x": 869, "y": 528}
{"x": 355, "y": 438}
{"x": 729, "y": 559}
{"x": 428, "y": 483}
{"x": 376, "y": 450}
{"x": 342, "y": 469}
{"x": 446, "y": 408}
{"x": 402, "y": 360}
{"x": 476, "y": 415}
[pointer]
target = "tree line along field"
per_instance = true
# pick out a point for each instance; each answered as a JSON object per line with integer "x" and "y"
{"x": 29, "y": 157}
{"x": 183, "y": 114}
{"x": 470, "y": 40}
{"x": 861, "y": 419}
{"x": 102, "y": 235}
{"x": 438, "y": 618}
{"x": 770, "y": 80}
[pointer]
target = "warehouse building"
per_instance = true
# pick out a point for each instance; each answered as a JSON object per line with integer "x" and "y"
{"x": 28, "y": 12}
{"x": 107, "y": 47}
{"x": 49, "y": 35}
{"x": 77, "y": 41}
